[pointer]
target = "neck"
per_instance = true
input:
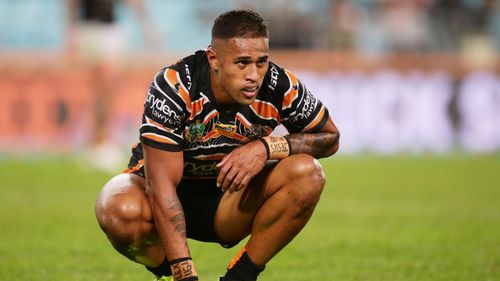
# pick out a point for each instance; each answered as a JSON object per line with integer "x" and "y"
{"x": 221, "y": 97}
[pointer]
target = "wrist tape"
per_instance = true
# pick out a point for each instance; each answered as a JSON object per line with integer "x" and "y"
{"x": 183, "y": 269}
{"x": 278, "y": 147}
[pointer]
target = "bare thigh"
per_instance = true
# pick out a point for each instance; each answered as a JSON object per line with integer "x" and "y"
{"x": 237, "y": 210}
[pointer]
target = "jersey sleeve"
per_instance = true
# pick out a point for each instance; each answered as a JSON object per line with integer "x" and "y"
{"x": 301, "y": 111}
{"x": 165, "y": 112}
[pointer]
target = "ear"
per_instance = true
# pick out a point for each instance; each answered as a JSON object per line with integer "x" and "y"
{"x": 212, "y": 58}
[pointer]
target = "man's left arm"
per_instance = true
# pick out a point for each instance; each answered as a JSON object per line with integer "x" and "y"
{"x": 302, "y": 114}
{"x": 320, "y": 144}
{"x": 242, "y": 164}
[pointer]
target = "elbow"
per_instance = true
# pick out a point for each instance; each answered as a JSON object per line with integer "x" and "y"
{"x": 149, "y": 191}
{"x": 334, "y": 148}
{"x": 157, "y": 194}
{"x": 335, "y": 145}
{"x": 153, "y": 192}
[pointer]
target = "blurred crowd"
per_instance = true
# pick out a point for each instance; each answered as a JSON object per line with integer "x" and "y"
{"x": 368, "y": 26}
{"x": 381, "y": 26}
{"x": 73, "y": 73}
{"x": 389, "y": 26}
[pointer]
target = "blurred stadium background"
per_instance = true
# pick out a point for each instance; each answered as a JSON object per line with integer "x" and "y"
{"x": 414, "y": 87}
{"x": 398, "y": 76}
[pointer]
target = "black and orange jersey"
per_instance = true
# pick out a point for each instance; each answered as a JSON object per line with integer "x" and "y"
{"x": 181, "y": 114}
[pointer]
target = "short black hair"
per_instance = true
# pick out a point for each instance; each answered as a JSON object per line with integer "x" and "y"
{"x": 239, "y": 23}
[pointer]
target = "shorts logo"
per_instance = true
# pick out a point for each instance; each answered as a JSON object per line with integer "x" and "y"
{"x": 195, "y": 131}
{"x": 195, "y": 169}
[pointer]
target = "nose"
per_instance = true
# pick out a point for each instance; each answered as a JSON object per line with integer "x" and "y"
{"x": 252, "y": 72}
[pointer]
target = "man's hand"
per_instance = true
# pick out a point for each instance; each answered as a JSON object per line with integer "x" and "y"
{"x": 241, "y": 165}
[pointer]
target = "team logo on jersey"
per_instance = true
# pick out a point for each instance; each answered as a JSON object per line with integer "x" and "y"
{"x": 195, "y": 131}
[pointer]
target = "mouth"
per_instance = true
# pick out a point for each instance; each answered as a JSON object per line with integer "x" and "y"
{"x": 250, "y": 91}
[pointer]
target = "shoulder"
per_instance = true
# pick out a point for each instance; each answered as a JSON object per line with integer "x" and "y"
{"x": 280, "y": 79}
{"x": 178, "y": 78}
{"x": 188, "y": 67}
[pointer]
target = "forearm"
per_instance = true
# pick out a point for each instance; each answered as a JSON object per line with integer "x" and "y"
{"x": 163, "y": 174}
{"x": 319, "y": 145}
{"x": 170, "y": 223}
{"x": 171, "y": 227}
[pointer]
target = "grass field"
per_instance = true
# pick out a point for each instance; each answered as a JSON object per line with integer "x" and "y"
{"x": 380, "y": 218}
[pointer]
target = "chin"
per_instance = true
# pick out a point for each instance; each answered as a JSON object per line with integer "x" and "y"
{"x": 246, "y": 101}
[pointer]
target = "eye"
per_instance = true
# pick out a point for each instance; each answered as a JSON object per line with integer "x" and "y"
{"x": 241, "y": 63}
{"x": 262, "y": 63}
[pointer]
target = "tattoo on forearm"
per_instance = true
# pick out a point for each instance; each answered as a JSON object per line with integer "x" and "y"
{"x": 178, "y": 220}
{"x": 181, "y": 228}
{"x": 317, "y": 145}
{"x": 174, "y": 205}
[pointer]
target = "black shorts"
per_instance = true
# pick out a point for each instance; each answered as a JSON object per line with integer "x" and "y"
{"x": 199, "y": 199}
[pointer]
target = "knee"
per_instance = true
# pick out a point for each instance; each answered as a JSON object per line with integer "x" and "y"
{"x": 305, "y": 168}
{"x": 119, "y": 206}
{"x": 306, "y": 178}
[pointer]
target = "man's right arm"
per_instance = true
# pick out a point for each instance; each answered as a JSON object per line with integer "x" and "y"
{"x": 163, "y": 174}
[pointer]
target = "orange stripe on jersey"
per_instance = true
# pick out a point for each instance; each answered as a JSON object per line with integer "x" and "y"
{"x": 316, "y": 120}
{"x": 243, "y": 120}
{"x": 215, "y": 133}
{"x": 137, "y": 167}
{"x": 293, "y": 91}
{"x": 197, "y": 107}
{"x": 210, "y": 116}
{"x": 173, "y": 79}
{"x": 152, "y": 122}
{"x": 159, "y": 138}
{"x": 239, "y": 137}
{"x": 265, "y": 110}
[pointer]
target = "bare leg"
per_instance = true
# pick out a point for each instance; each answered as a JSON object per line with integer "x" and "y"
{"x": 274, "y": 207}
{"x": 124, "y": 214}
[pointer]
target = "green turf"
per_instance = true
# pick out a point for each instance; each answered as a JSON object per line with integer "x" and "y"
{"x": 393, "y": 218}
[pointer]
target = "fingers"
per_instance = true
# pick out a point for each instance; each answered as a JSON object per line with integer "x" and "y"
{"x": 224, "y": 169}
{"x": 239, "y": 184}
{"x": 235, "y": 181}
{"x": 223, "y": 161}
{"x": 228, "y": 179}
{"x": 232, "y": 176}
{"x": 239, "y": 166}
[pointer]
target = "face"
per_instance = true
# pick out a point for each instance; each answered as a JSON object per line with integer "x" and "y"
{"x": 238, "y": 68}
